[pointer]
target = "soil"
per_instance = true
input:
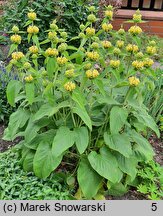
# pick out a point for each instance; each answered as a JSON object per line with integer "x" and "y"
{"x": 132, "y": 194}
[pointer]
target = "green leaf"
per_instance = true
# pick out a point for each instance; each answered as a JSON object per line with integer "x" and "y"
{"x": 142, "y": 146}
{"x": 118, "y": 117}
{"x": 117, "y": 189}
{"x": 89, "y": 180}
{"x": 12, "y": 48}
{"x": 45, "y": 41}
{"x": 45, "y": 161}
{"x": 105, "y": 165}
{"x": 13, "y": 90}
{"x": 18, "y": 120}
{"x": 107, "y": 100}
{"x": 100, "y": 86}
{"x": 33, "y": 127}
{"x": 119, "y": 142}
{"x": 83, "y": 115}
{"x": 127, "y": 165}
{"x": 36, "y": 40}
{"x": 30, "y": 92}
{"x": 81, "y": 139}
{"x": 49, "y": 110}
{"x": 48, "y": 135}
{"x": 51, "y": 66}
{"x": 147, "y": 120}
{"x": 78, "y": 98}
{"x": 63, "y": 140}
{"x": 28, "y": 161}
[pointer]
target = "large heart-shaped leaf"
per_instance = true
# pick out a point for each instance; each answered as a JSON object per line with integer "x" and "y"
{"x": 119, "y": 142}
{"x": 142, "y": 146}
{"x": 144, "y": 118}
{"x": 44, "y": 160}
{"x": 81, "y": 139}
{"x": 63, "y": 140}
{"x": 89, "y": 180}
{"x": 17, "y": 120}
{"x": 105, "y": 165}
{"x": 13, "y": 90}
{"x": 127, "y": 165}
{"x": 118, "y": 117}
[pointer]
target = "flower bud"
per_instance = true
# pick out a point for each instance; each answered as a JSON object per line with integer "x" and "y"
{"x": 15, "y": 29}
{"x": 32, "y": 16}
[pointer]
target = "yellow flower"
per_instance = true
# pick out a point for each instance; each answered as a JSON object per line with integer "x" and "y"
{"x": 94, "y": 56}
{"x": 70, "y": 86}
{"x": 121, "y": 31}
{"x": 151, "y": 50}
{"x": 107, "y": 27}
{"x": 52, "y": 35}
{"x": 137, "y": 17}
{"x": 120, "y": 43}
{"x": 69, "y": 73}
{"x": 27, "y": 65}
{"x": 62, "y": 47}
{"x": 33, "y": 49}
{"x": 54, "y": 26}
{"x": 32, "y": 30}
{"x": 106, "y": 44}
{"x": 116, "y": 51}
{"x": 62, "y": 60}
{"x": 16, "y": 39}
{"x": 87, "y": 66}
{"x": 138, "y": 64}
{"x": 63, "y": 34}
{"x": 92, "y": 9}
{"x": 135, "y": 30}
{"x": 91, "y": 18}
{"x": 114, "y": 63}
{"x": 148, "y": 62}
{"x": 109, "y": 14}
{"x": 82, "y": 27}
{"x": 139, "y": 55}
{"x": 81, "y": 35}
{"x": 91, "y": 74}
{"x": 15, "y": 29}
{"x": 152, "y": 43}
{"x": 29, "y": 78}
{"x": 17, "y": 55}
{"x": 32, "y": 16}
{"x": 90, "y": 31}
{"x": 95, "y": 45}
{"x": 133, "y": 81}
{"x": 132, "y": 48}
{"x": 51, "y": 52}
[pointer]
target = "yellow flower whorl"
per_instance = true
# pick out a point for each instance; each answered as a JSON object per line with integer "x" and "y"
{"x": 70, "y": 86}
{"x": 133, "y": 81}
{"x": 91, "y": 74}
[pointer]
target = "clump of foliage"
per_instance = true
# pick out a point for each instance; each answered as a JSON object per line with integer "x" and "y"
{"x": 16, "y": 184}
{"x": 5, "y": 108}
{"x": 150, "y": 178}
{"x": 84, "y": 106}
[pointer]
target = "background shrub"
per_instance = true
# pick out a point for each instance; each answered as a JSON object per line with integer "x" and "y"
{"x": 5, "y": 108}
{"x": 69, "y": 14}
